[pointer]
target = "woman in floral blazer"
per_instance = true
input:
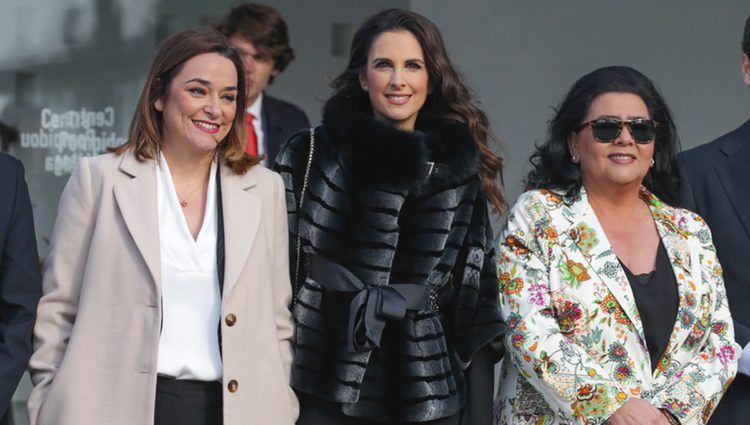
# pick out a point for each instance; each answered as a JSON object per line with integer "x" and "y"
{"x": 614, "y": 300}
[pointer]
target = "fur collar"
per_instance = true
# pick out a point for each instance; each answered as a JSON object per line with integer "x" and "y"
{"x": 377, "y": 153}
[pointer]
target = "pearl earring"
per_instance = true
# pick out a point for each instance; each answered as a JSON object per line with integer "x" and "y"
{"x": 574, "y": 157}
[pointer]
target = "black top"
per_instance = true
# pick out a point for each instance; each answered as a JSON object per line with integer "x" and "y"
{"x": 657, "y": 301}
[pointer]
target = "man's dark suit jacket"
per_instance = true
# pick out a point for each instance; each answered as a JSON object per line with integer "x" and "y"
{"x": 718, "y": 188}
{"x": 280, "y": 120}
{"x": 20, "y": 280}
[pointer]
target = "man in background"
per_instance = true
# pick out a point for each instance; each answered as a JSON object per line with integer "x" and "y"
{"x": 717, "y": 186}
{"x": 20, "y": 280}
{"x": 260, "y": 35}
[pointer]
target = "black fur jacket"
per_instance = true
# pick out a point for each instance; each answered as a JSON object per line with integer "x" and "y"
{"x": 390, "y": 206}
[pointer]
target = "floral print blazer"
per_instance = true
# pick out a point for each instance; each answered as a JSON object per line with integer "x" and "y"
{"x": 576, "y": 349}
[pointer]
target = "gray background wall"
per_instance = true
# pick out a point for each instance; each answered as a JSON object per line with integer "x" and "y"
{"x": 522, "y": 56}
{"x": 519, "y": 56}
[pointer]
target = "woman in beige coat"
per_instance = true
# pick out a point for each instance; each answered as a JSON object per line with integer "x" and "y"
{"x": 167, "y": 288}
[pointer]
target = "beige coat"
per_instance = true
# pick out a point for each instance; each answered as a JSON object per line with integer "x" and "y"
{"x": 97, "y": 333}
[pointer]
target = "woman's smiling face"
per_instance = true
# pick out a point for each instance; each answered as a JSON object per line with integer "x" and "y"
{"x": 396, "y": 78}
{"x": 199, "y": 105}
{"x": 622, "y": 161}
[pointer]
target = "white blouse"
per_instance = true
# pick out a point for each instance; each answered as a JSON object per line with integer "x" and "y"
{"x": 191, "y": 301}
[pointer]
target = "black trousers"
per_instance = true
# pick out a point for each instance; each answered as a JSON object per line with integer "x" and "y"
{"x": 186, "y": 402}
{"x": 478, "y": 409}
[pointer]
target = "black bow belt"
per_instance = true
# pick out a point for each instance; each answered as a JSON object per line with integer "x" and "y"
{"x": 372, "y": 306}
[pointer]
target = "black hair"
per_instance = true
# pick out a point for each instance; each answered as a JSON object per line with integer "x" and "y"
{"x": 554, "y": 168}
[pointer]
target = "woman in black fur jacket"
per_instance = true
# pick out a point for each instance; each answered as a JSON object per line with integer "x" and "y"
{"x": 396, "y": 284}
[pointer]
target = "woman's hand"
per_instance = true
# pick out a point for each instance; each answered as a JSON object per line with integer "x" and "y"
{"x": 637, "y": 411}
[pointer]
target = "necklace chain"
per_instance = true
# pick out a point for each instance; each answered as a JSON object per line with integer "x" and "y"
{"x": 184, "y": 199}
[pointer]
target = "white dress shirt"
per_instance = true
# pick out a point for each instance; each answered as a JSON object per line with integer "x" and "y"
{"x": 191, "y": 301}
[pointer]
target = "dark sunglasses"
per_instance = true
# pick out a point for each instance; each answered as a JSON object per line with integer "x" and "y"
{"x": 606, "y": 130}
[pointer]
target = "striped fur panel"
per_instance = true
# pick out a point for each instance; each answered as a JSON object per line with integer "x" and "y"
{"x": 428, "y": 229}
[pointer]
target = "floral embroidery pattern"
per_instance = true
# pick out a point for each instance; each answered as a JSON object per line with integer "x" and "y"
{"x": 617, "y": 352}
{"x": 623, "y": 372}
{"x": 706, "y": 414}
{"x": 686, "y": 318}
{"x": 592, "y": 402}
{"x": 567, "y": 317}
{"x": 584, "y": 237}
{"x": 518, "y": 337}
{"x": 573, "y": 273}
{"x": 611, "y": 306}
{"x": 720, "y": 328}
{"x": 537, "y": 293}
{"x": 726, "y": 354}
{"x": 679, "y": 408}
{"x": 544, "y": 364}
{"x": 510, "y": 286}
{"x": 663, "y": 363}
{"x": 575, "y": 348}
{"x": 517, "y": 246}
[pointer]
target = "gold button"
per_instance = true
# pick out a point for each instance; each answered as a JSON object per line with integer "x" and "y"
{"x": 232, "y": 386}
{"x": 231, "y": 319}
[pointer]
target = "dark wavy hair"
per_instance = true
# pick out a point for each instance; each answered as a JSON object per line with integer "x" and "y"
{"x": 555, "y": 170}
{"x": 145, "y": 133}
{"x": 746, "y": 38}
{"x": 450, "y": 98}
{"x": 264, "y": 27}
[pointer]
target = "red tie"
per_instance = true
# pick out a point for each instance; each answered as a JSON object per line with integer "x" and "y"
{"x": 252, "y": 139}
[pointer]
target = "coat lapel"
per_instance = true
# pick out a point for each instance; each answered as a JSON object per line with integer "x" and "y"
{"x": 271, "y": 127}
{"x": 241, "y": 211}
{"x": 734, "y": 174}
{"x": 686, "y": 268}
{"x": 136, "y": 198}
{"x": 586, "y": 233}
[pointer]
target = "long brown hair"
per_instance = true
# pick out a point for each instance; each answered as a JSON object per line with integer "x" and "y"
{"x": 145, "y": 134}
{"x": 450, "y": 97}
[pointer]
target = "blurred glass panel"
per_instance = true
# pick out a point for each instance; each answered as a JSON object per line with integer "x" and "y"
{"x": 71, "y": 72}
